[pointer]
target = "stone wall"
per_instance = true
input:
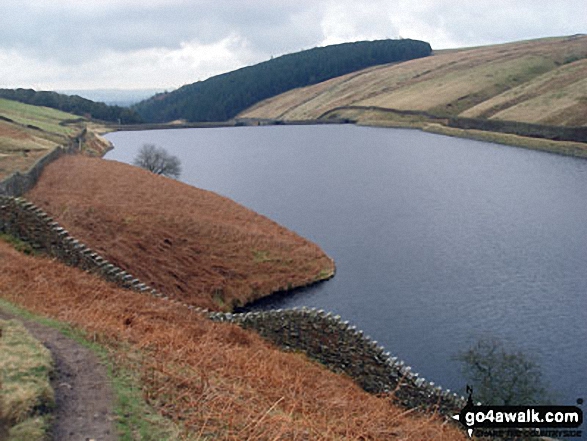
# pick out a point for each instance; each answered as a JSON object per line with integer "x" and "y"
{"x": 343, "y": 348}
{"x": 19, "y": 183}
{"x": 25, "y": 221}
{"x": 322, "y": 336}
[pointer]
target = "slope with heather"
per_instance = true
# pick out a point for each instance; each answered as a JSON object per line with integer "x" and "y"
{"x": 217, "y": 380}
{"x": 539, "y": 81}
{"x": 190, "y": 244}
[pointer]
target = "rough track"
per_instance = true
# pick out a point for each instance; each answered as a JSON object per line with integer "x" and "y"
{"x": 83, "y": 394}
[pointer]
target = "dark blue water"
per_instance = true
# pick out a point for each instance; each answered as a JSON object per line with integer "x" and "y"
{"x": 438, "y": 241}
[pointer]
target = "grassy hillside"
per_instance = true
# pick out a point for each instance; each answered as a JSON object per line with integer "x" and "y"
{"x": 221, "y": 97}
{"x": 28, "y": 133}
{"x": 190, "y": 244}
{"x": 540, "y": 81}
{"x": 72, "y": 104}
{"x": 218, "y": 381}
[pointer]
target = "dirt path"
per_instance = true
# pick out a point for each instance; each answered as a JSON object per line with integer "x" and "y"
{"x": 83, "y": 395}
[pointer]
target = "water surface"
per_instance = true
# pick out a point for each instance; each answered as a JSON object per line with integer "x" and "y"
{"x": 438, "y": 241}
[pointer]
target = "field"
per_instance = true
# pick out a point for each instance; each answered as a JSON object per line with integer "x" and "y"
{"x": 190, "y": 244}
{"x": 216, "y": 381}
{"x": 28, "y": 132}
{"x": 538, "y": 81}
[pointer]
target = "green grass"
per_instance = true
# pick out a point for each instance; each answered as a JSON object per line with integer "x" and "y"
{"x": 19, "y": 245}
{"x": 26, "y": 394}
{"x": 42, "y": 117}
{"x": 136, "y": 420}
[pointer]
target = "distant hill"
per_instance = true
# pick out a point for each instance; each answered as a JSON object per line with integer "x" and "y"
{"x": 72, "y": 104}
{"x": 222, "y": 97}
{"x": 531, "y": 83}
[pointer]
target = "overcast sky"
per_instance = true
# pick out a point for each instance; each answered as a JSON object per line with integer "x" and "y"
{"x": 163, "y": 44}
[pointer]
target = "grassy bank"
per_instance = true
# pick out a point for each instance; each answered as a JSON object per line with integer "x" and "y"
{"x": 190, "y": 244}
{"x": 216, "y": 381}
{"x": 27, "y": 133}
{"x": 26, "y": 396}
{"x": 504, "y": 87}
{"x": 136, "y": 420}
{"x": 375, "y": 118}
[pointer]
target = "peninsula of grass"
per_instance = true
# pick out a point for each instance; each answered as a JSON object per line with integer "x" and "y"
{"x": 26, "y": 396}
{"x": 190, "y": 244}
{"x": 212, "y": 380}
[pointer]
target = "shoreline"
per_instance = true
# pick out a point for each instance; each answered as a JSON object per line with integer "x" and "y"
{"x": 574, "y": 149}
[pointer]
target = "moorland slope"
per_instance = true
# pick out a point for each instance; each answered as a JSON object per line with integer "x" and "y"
{"x": 190, "y": 244}
{"x": 216, "y": 380}
{"x": 538, "y": 81}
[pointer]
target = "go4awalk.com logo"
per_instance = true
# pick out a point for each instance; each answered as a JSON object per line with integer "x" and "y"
{"x": 499, "y": 421}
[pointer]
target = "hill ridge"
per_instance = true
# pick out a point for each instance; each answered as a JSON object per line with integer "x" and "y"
{"x": 497, "y": 82}
{"x": 222, "y": 97}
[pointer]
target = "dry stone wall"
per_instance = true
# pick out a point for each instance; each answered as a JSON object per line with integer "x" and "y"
{"x": 25, "y": 221}
{"x": 19, "y": 183}
{"x": 343, "y": 348}
{"x": 322, "y": 336}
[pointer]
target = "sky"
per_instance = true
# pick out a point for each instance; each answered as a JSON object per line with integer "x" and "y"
{"x": 164, "y": 44}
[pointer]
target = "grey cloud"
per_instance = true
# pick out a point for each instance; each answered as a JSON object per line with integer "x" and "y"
{"x": 92, "y": 39}
{"x": 74, "y": 34}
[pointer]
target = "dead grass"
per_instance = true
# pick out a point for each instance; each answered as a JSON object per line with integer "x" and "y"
{"x": 26, "y": 393}
{"x": 190, "y": 244}
{"x": 219, "y": 381}
{"x": 457, "y": 82}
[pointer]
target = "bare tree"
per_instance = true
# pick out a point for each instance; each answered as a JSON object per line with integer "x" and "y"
{"x": 501, "y": 376}
{"x": 157, "y": 160}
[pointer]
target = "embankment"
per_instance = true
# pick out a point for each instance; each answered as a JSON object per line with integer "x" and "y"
{"x": 321, "y": 336}
{"x": 191, "y": 244}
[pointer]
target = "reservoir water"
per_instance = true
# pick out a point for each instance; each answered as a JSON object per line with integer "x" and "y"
{"x": 438, "y": 241}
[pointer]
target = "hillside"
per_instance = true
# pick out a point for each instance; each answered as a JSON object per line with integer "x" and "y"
{"x": 222, "y": 97}
{"x": 27, "y": 133}
{"x": 214, "y": 381}
{"x": 539, "y": 81}
{"x": 72, "y": 104}
{"x": 190, "y": 244}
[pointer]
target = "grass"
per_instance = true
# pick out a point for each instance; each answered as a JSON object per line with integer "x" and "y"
{"x": 192, "y": 245}
{"x": 214, "y": 381}
{"x": 28, "y": 133}
{"x": 538, "y": 81}
{"x": 19, "y": 245}
{"x": 43, "y": 118}
{"x": 26, "y": 396}
{"x": 136, "y": 420}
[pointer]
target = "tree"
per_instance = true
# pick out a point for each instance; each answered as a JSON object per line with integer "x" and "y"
{"x": 500, "y": 376}
{"x": 157, "y": 160}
